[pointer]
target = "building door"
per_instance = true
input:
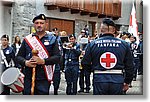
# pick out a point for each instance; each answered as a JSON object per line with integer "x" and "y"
{"x": 62, "y": 25}
{"x": 92, "y": 28}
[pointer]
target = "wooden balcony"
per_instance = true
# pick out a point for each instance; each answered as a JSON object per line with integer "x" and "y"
{"x": 93, "y": 8}
{"x": 7, "y": 2}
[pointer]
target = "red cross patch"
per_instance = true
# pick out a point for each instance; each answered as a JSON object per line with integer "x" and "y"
{"x": 108, "y": 60}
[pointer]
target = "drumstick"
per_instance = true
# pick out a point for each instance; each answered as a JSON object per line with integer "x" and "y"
{"x": 34, "y": 53}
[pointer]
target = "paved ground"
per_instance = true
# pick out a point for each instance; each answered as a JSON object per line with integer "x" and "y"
{"x": 135, "y": 90}
{"x": 137, "y": 86}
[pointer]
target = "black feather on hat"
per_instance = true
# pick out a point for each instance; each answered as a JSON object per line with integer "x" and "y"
{"x": 72, "y": 35}
{"x": 41, "y": 16}
{"x": 55, "y": 29}
{"x": 5, "y": 36}
{"x": 109, "y": 22}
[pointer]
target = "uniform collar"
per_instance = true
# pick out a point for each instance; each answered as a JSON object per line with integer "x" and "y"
{"x": 107, "y": 34}
{"x": 5, "y": 47}
{"x": 34, "y": 34}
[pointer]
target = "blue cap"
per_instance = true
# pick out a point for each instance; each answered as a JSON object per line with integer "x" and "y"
{"x": 41, "y": 16}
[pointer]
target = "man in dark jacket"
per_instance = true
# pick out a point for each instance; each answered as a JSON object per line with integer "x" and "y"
{"x": 108, "y": 57}
{"x": 71, "y": 54}
{"x": 48, "y": 54}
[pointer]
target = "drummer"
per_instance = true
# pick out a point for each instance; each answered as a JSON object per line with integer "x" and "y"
{"x": 7, "y": 55}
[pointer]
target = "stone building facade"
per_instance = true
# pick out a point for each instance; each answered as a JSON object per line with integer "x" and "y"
{"x": 17, "y": 16}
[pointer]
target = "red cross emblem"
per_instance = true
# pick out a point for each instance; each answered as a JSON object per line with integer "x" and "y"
{"x": 108, "y": 60}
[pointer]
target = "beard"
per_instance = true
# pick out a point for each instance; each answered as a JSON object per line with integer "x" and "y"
{"x": 40, "y": 29}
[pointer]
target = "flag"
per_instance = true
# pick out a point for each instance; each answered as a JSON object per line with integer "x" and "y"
{"x": 133, "y": 28}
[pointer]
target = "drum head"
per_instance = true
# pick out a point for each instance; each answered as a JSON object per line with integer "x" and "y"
{"x": 10, "y": 75}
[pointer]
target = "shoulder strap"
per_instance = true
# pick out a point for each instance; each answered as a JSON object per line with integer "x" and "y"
{"x": 4, "y": 58}
{"x": 35, "y": 43}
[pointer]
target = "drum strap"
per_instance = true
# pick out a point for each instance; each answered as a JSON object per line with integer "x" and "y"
{"x": 5, "y": 61}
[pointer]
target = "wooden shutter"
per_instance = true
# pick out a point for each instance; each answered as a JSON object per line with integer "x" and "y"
{"x": 55, "y": 23}
{"x": 100, "y": 7}
{"x": 108, "y": 7}
{"x": 65, "y": 25}
{"x": 68, "y": 26}
{"x": 116, "y": 8}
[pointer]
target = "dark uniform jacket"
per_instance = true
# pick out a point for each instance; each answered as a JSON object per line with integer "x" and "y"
{"x": 57, "y": 66}
{"x": 10, "y": 55}
{"x": 50, "y": 43}
{"x": 120, "y": 49}
{"x": 72, "y": 55}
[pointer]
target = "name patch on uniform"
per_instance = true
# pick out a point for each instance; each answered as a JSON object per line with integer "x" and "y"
{"x": 46, "y": 43}
{"x": 108, "y": 60}
{"x": 108, "y": 43}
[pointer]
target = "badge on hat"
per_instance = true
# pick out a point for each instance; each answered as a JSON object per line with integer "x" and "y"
{"x": 41, "y": 16}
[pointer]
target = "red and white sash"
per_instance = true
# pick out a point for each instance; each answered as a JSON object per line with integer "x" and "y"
{"x": 36, "y": 44}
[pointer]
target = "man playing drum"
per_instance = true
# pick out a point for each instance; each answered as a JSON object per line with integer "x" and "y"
{"x": 7, "y": 56}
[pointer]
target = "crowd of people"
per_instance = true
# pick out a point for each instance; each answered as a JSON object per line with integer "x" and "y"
{"x": 42, "y": 56}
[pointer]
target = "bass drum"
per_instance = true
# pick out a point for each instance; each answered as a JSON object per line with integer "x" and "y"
{"x": 14, "y": 79}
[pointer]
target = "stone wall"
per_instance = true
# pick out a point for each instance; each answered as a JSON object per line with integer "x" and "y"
{"x": 22, "y": 14}
{"x": 79, "y": 25}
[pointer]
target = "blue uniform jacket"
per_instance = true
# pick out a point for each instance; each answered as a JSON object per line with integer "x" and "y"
{"x": 50, "y": 43}
{"x": 57, "y": 66}
{"x": 120, "y": 49}
{"x": 72, "y": 55}
{"x": 9, "y": 54}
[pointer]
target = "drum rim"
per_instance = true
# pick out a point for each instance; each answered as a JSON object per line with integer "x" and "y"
{"x": 16, "y": 77}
